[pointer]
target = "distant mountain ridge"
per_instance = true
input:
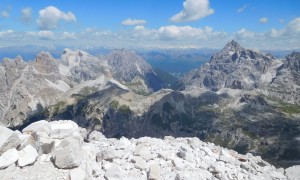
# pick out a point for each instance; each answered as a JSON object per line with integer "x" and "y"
{"x": 242, "y": 99}
{"x": 238, "y": 68}
{"x": 28, "y": 86}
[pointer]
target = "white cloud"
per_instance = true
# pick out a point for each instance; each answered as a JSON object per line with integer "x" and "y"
{"x": 133, "y": 22}
{"x": 45, "y": 35}
{"x": 193, "y": 10}
{"x": 241, "y": 9}
{"x": 50, "y": 16}
{"x": 68, "y": 35}
{"x": 244, "y": 33}
{"x": 26, "y": 14}
{"x": 4, "y": 14}
{"x": 294, "y": 25}
{"x": 138, "y": 28}
{"x": 187, "y": 33}
{"x": 163, "y": 37}
{"x": 4, "y": 33}
{"x": 263, "y": 20}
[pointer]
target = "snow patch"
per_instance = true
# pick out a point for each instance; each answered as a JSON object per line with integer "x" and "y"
{"x": 231, "y": 53}
{"x": 61, "y": 85}
{"x": 119, "y": 84}
{"x": 230, "y": 92}
{"x": 138, "y": 68}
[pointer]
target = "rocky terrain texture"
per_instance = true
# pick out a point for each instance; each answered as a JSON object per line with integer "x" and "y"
{"x": 29, "y": 87}
{"x": 233, "y": 67}
{"x": 62, "y": 150}
{"x": 238, "y": 68}
{"x": 233, "y": 101}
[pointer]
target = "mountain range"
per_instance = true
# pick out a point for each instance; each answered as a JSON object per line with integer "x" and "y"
{"x": 241, "y": 99}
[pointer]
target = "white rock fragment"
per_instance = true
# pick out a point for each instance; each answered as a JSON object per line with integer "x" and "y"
{"x": 68, "y": 154}
{"x": 77, "y": 174}
{"x": 114, "y": 173}
{"x": 95, "y": 136}
{"x": 8, "y": 158}
{"x": 154, "y": 172}
{"x": 41, "y": 128}
{"x": 27, "y": 156}
{"x": 293, "y": 172}
{"x": 8, "y": 139}
{"x": 139, "y": 162}
{"x": 108, "y": 154}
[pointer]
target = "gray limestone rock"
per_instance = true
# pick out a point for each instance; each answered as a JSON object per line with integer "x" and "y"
{"x": 68, "y": 154}
{"x": 108, "y": 154}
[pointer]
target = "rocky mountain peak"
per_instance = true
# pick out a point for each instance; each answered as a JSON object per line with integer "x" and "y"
{"x": 73, "y": 58}
{"x": 45, "y": 63}
{"x": 17, "y": 62}
{"x": 233, "y": 46}
{"x": 127, "y": 64}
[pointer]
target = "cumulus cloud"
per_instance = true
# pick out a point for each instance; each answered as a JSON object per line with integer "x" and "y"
{"x": 138, "y": 28}
{"x": 163, "y": 37}
{"x": 263, "y": 20}
{"x": 133, "y": 22}
{"x": 193, "y": 10}
{"x": 244, "y": 33}
{"x": 50, "y": 16}
{"x": 68, "y": 35}
{"x": 45, "y": 35}
{"x": 241, "y": 9}
{"x": 294, "y": 25}
{"x": 4, "y": 33}
{"x": 186, "y": 32}
{"x": 26, "y": 14}
{"x": 4, "y": 14}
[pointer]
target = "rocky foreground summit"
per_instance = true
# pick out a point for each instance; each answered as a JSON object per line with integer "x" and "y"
{"x": 62, "y": 150}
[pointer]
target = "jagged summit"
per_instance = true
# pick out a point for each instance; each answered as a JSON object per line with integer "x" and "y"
{"x": 233, "y": 67}
{"x": 233, "y": 46}
{"x": 127, "y": 64}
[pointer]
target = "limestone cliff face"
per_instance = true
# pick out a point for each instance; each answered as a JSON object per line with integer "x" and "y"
{"x": 28, "y": 88}
{"x": 127, "y": 65}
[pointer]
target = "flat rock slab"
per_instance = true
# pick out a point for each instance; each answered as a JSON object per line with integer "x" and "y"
{"x": 8, "y": 158}
{"x": 27, "y": 156}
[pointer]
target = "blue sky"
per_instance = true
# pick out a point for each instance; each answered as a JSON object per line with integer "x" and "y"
{"x": 261, "y": 24}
